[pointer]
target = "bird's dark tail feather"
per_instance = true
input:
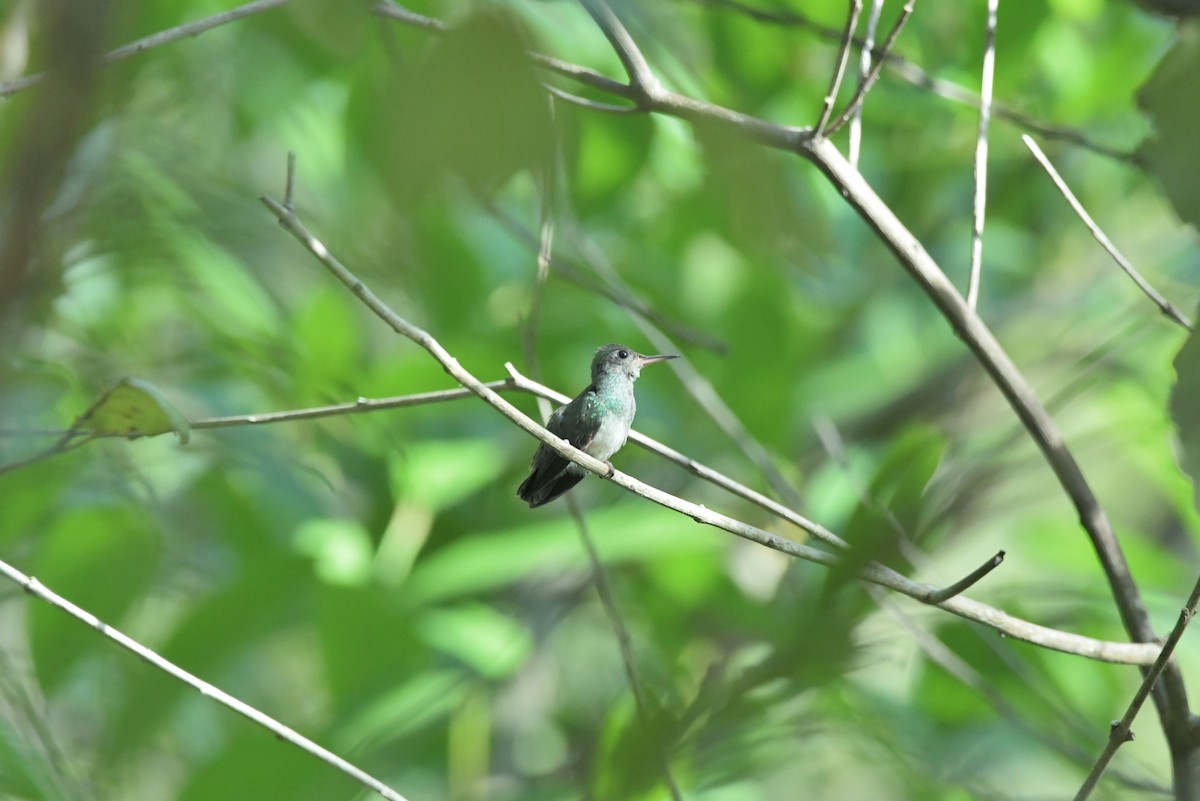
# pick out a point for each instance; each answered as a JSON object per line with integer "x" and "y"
{"x": 537, "y": 490}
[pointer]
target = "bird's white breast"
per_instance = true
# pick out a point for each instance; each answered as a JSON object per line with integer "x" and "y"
{"x": 614, "y": 430}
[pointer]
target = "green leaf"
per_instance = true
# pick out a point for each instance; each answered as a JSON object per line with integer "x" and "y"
{"x": 440, "y": 473}
{"x": 894, "y": 497}
{"x": 473, "y": 108}
{"x": 133, "y": 408}
{"x": 489, "y": 642}
{"x": 340, "y": 549}
{"x": 1171, "y": 97}
{"x": 494, "y": 559}
{"x": 1185, "y": 409}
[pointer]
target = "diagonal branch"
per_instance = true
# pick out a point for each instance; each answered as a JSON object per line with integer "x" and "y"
{"x": 159, "y": 39}
{"x": 38, "y": 590}
{"x": 1162, "y": 303}
{"x": 1121, "y": 731}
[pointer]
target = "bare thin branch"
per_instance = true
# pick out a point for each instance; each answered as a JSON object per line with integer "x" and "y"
{"x": 967, "y": 581}
{"x": 1122, "y": 731}
{"x": 854, "y": 144}
{"x": 865, "y": 84}
{"x": 585, "y": 76}
{"x": 835, "y": 81}
{"x": 155, "y": 40}
{"x": 981, "y": 151}
{"x": 393, "y": 10}
{"x": 38, "y": 590}
{"x": 360, "y": 405}
{"x": 1162, "y": 303}
{"x": 69, "y": 441}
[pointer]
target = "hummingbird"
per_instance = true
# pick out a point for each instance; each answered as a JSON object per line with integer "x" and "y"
{"x": 597, "y": 422}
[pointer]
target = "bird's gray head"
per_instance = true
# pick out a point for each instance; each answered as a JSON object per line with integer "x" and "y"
{"x": 620, "y": 360}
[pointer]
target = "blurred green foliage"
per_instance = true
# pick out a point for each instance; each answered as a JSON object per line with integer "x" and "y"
{"x": 372, "y": 581}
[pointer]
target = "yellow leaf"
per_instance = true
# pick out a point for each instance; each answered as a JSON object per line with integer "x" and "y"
{"x": 133, "y": 408}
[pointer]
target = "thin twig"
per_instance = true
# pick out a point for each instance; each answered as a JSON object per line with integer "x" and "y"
{"x": 981, "y": 151}
{"x": 1122, "y": 731}
{"x": 854, "y": 137}
{"x": 967, "y": 581}
{"x": 155, "y": 40}
{"x": 1127, "y": 653}
{"x": 393, "y": 10}
{"x": 834, "y": 444}
{"x": 38, "y": 590}
{"x": 68, "y": 442}
{"x": 590, "y": 105}
{"x": 588, "y": 77}
{"x": 835, "y": 81}
{"x": 1162, "y": 303}
{"x": 866, "y": 83}
{"x": 641, "y": 79}
{"x": 599, "y": 573}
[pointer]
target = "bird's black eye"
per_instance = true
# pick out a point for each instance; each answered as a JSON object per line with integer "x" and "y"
{"x": 624, "y": 354}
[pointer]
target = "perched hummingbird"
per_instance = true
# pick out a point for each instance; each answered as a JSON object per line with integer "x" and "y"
{"x": 596, "y": 422}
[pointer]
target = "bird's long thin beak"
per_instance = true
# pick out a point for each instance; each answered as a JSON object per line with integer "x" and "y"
{"x": 644, "y": 360}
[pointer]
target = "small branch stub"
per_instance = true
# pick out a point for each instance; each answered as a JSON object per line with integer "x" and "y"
{"x": 968, "y": 581}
